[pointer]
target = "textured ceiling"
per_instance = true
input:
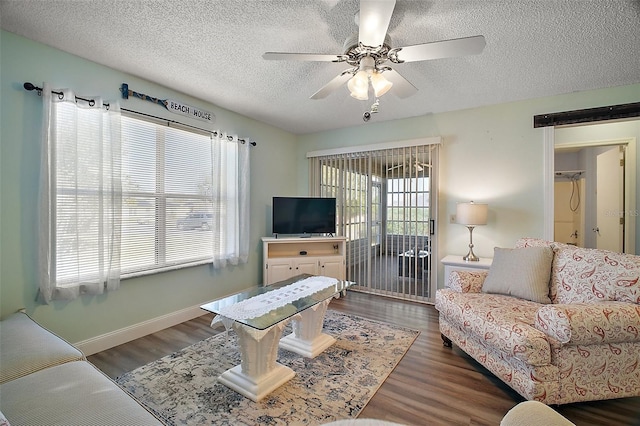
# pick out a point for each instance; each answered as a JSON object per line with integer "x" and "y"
{"x": 213, "y": 50}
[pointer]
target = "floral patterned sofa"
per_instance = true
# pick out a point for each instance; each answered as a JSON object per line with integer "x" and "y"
{"x": 574, "y": 335}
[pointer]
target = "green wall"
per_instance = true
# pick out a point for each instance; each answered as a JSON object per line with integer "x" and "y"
{"x": 138, "y": 299}
{"x": 490, "y": 154}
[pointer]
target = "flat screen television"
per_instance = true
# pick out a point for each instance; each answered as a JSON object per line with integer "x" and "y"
{"x": 304, "y": 215}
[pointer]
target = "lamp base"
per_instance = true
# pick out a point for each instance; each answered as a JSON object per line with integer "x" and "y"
{"x": 471, "y": 257}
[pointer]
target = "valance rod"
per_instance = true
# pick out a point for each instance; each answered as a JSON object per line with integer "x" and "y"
{"x": 29, "y": 86}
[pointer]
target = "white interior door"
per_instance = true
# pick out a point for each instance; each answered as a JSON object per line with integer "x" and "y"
{"x": 610, "y": 200}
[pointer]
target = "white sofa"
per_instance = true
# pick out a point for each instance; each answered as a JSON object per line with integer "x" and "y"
{"x": 557, "y": 323}
{"x": 45, "y": 380}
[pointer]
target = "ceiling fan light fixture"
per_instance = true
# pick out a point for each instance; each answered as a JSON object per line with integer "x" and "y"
{"x": 359, "y": 86}
{"x": 380, "y": 84}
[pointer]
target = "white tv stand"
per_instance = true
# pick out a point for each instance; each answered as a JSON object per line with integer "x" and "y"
{"x": 284, "y": 258}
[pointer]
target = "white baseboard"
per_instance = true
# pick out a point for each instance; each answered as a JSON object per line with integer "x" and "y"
{"x": 127, "y": 334}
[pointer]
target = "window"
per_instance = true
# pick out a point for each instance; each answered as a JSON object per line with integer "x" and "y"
{"x": 408, "y": 206}
{"x": 167, "y": 196}
{"x": 352, "y": 201}
{"x": 123, "y": 196}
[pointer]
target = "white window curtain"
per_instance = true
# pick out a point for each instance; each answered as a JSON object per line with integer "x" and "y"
{"x": 231, "y": 200}
{"x": 80, "y": 197}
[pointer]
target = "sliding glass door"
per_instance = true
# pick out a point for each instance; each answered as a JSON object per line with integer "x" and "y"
{"x": 385, "y": 210}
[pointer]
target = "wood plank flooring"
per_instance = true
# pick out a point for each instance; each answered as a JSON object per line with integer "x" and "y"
{"x": 432, "y": 385}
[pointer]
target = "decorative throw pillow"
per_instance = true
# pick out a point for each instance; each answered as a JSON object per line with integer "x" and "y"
{"x": 521, "y": 272}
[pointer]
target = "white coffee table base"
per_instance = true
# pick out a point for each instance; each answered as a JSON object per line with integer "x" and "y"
{"x": 258, "y": 373}
{"x": 256, "y": 388}
{"x": 307, "y": 338}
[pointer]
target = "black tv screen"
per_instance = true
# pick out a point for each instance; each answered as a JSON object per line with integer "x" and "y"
{"x": 304, "y": 215}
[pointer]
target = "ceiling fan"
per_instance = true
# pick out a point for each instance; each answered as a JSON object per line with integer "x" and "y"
{"x": 412, "y": 165}
{"x": 369, "y": 50}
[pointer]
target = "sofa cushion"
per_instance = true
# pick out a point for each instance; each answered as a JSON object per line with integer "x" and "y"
{"x": 26, "y": 347}
{"x": 537, "y": 242}
{"x": 582, "y": 275}
{"x": 75, "y": 393}
{"x": 532, "y": 242}
{"x": 503, "y": 322}
{"x": 520, "y": 272}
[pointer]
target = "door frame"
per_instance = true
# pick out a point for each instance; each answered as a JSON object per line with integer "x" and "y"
{"x": 434, "y": 142}
{"x": 549, "y": 146}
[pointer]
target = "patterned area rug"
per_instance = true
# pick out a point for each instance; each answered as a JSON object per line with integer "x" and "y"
{"x": 182, "y": 388}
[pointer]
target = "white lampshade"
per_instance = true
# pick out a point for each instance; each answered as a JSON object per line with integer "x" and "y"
{"x": 380, "y": 84}
{"x": 359, "y": 86}
{"x": 471, "y": 213}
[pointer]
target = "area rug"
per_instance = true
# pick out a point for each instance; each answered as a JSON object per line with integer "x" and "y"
{"x": 182, "y": 388}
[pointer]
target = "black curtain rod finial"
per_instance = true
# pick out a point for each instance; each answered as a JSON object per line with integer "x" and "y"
{"x": 29, "y": 86}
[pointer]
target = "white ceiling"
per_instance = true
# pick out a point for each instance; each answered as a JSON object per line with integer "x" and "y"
{"x": 213, "y": 50}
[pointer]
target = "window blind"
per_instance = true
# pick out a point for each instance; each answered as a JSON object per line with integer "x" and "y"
{"x": 122, "y": 196}
{"x": 167, "y": 202}
{"x": 385, "y": 209}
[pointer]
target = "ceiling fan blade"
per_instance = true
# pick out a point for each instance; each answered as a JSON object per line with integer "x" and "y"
{"x": 374, "y": 21}
{"x": 278, "y": 56}
{"x": 328, "y": 88}
{"x": 442, "y": 49}
{"x": 401, "y": 86}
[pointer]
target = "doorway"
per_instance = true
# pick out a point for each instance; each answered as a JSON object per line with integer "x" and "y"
{"x": 589, "y": 194}
{"x": 387, "y": 212}
{"x": 579, "y": 149}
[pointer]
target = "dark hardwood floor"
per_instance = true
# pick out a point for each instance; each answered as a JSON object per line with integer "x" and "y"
{"x": 432, "y": 385}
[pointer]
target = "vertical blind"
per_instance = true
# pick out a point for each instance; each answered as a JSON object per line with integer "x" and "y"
{"x": 384, "y": 209}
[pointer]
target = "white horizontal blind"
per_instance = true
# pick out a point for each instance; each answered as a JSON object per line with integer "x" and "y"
{"x": 167, "y": 204}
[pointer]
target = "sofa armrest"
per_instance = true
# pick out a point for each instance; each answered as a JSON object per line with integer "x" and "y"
{"x": 466, "y": 281}
{"x": 533, "y": 413}
{"x": 26, "y": 347}
{"x": 590, "y": 323}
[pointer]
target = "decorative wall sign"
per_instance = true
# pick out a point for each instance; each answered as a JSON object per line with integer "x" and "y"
{"x": 171, "y": 105}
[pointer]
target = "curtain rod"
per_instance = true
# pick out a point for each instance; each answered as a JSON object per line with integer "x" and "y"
{"x": 29, "y": 86}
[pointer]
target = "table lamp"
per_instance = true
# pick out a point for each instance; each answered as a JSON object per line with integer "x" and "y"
{"x": 471, "y": 214}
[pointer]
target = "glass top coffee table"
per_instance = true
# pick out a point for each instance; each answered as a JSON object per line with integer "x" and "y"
{"x": 259, "y": 316}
